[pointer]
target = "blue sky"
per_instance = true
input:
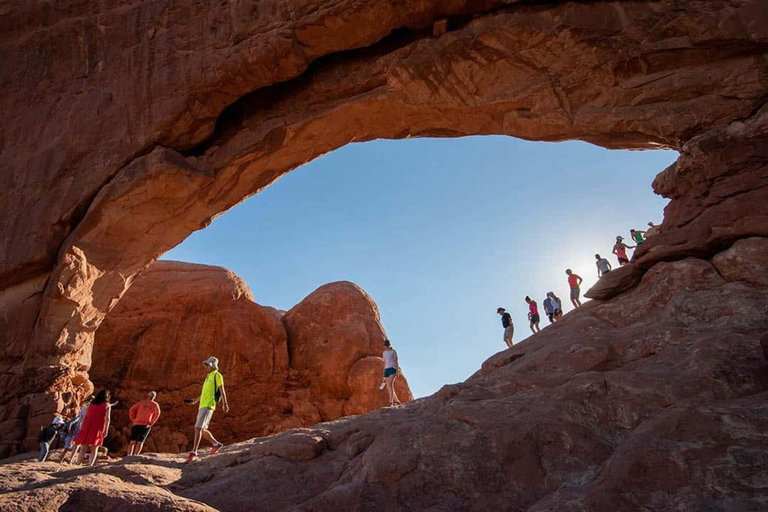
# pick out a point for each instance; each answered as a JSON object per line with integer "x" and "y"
{"x": 440, "y": 232}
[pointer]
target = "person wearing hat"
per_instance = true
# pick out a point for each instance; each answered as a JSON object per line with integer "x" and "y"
{"x": 143, "y": 416}
{"x": 48, "y": 435}
{"x": 620, "y": 250}
{"x": 509, "y": 327}
{"x": 212, "y": 393}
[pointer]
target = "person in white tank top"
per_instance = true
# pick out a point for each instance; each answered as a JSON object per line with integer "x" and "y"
{"x": 391, "y": 369}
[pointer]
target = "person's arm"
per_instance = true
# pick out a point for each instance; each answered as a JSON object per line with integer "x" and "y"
{"x": 629, "y": 246}
{"x": 224, "y": 394}
{"x": 580, "y": 279}
{"x": 610, "y": 267}
{"x": 615, "y": 250}
{"x": 107, "y": 418}
{"x": 155, "y": 416}
{"x": 599, "y": 272}
{"x": 397, "y": 362}
{"x": 132, "y": 413}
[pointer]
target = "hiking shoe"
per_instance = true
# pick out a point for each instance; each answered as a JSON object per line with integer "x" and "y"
{"x": 190, "y": 457}
{"x": 216, "y": 447}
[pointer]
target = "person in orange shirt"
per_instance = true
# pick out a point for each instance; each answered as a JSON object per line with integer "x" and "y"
{"x": 143, "y": 415}
{"x": 574, "y": 281}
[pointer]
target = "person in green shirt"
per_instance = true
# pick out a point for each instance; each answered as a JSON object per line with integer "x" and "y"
{"x": 212, "y": 392}
{"x": 637, "y": 235}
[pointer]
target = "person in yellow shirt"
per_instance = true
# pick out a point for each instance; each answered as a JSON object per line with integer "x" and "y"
{"x": 212, "y": 393}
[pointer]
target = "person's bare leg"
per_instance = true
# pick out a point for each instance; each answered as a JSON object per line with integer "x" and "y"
{"x": 198, "y": 435}
{"x": 394, "y": 393}
{"x": 531, "y": 327}
{"x": 131, "y": 448}
{"x": 139, "y": 446}
{"x": 509, "y": 343}
{"x": 94, "y": 451}
{"x": 578, "y": 301}
{"x": 80, "y": 454}
{"x": 538, "y": 329}
{"x": 209, "y": 437}
{"x": 391, "y": 390}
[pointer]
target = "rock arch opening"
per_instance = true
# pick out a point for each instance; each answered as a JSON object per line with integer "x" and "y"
{"x": 114, "y": 196}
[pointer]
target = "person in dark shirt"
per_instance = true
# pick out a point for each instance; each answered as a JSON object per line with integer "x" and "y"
{"x": 506, "y": 323}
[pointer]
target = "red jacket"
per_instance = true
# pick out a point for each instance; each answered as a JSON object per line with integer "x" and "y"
{"x": 145, "y": 412}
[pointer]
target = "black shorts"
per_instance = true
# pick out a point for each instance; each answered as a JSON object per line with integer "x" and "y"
{"x": 139, "y": 433}
{"x": 534, "y": 319}
{"x": 623, "y": 260}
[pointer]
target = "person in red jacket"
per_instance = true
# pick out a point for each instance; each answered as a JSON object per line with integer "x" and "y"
{"x": 143, "y": 415}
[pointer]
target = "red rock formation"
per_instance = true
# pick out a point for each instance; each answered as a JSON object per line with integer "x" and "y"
{"x": 655, "y": 399}
{"x": 177, "y": 314}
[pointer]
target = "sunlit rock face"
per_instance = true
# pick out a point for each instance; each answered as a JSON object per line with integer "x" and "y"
{"x": 176, "y": 315}
{"x": 126, "y": 127}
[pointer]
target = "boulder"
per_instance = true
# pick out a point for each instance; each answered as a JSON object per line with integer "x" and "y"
{"x": 176, "y": 314}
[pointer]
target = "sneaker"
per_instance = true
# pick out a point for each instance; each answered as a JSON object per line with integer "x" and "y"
{"x": 382, "y": 385}
{"x": 216, "y": 447}
{"x": 190, "y": 457}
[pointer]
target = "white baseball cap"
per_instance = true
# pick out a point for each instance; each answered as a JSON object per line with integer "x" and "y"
{"x": 212, "y": 362}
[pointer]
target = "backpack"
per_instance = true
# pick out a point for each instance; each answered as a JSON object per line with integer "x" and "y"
{"x": 216, "y": 392}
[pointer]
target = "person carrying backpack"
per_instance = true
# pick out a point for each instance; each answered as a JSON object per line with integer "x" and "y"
{"x": 211, "y": 394}
{"x": 48, "y": 435}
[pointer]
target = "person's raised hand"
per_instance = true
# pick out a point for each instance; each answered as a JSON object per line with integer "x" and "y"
{"x": 226, "y": 407}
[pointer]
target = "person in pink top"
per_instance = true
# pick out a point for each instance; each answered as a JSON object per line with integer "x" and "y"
{"x": 143, "y": 415}
{"x": 533, "y": 314}
{"x": 620, "y": 250}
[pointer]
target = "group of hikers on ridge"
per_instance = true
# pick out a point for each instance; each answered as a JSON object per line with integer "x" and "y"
{"x": 85, "y": 433}
{"x": 553, "y": 306}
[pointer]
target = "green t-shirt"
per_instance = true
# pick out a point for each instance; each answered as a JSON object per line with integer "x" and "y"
{"x": 639, "y": 238}
{"x": 208, "y": 394}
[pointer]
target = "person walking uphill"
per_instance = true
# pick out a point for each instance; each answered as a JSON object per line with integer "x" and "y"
{"x": 391, "y": 369}
{"x": 94, "y": 427}
{"x": 603, "y": 266}
{"x": 574, "y": 281}
{"x": 212, "y": 392}
{"x": 620, "y": 250}
{"x": 143, "y": 415}
{"x": 506, "y": 323}
{"x": 533, "y": 314}
{"x": 48, "y": 435}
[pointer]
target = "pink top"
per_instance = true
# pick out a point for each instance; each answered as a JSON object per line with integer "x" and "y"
{"x": 534, "y": 308}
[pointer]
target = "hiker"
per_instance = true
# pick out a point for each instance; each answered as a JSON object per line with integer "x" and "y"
{"x": 506, "y": 323}
{"x": 620, "y": 250}
{"x": 533, "y": 314}
{"x": 143, "y": 415}
{"x": 94, "y": 428}
{"x": 557, "y": 307}
{"x": 574, "y": 281}
{"x": 212, "y": 393}
{"x": 48, "y": 435}
{"x": 653, "y": 230}
{"x": 603, "y": 266}
{"x": 637, "y": 235}
{"x": 549, "y": 309}
{"x": 71, "y": 429}
{"x": 391, "y": 370}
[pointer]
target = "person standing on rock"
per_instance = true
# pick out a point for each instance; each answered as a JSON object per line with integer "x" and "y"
{"x": 603, "y": 266}
{"x": 48, "y": 436}
{"x": 557, "y": 307}
{"x": 212, "y": 393}
{"x": 637, "y": 235}
{"x": 143, "y": 415}
{"x": 549, "y": 310}
{"x": 653, "y": 230}
{"x": 533, "y": 314}
{"x": 620, "y": 250}
{"x": 94, "y": 428}
{"x": 391, "y": 370}
{"x": 509, "y": 327}
{"x": 574, "y": 281}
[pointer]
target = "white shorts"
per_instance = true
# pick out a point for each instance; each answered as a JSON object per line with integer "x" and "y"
{"x": 204, "y": 416}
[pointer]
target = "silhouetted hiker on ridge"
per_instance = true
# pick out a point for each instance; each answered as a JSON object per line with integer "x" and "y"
{"x": 620, "y": 250}
{"x": 212, "y": 393}
{"x": 574, "y": 281}
{"x": 533, "y": 314}
{"x": 557, "y": 307}
{"x": 549, "y": 309}
{"x": 509, "y": 327}
{"x": 637, "y": 235}
{"x": 391, "y": 370}
{"x": 603, "y": 266}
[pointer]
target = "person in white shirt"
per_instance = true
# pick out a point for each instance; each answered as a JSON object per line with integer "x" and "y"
{"x": 603, "y": 266}
{"x": 391, "y": 369}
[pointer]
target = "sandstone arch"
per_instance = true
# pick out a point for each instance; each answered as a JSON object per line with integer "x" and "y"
{"x": 128, "y": 126}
